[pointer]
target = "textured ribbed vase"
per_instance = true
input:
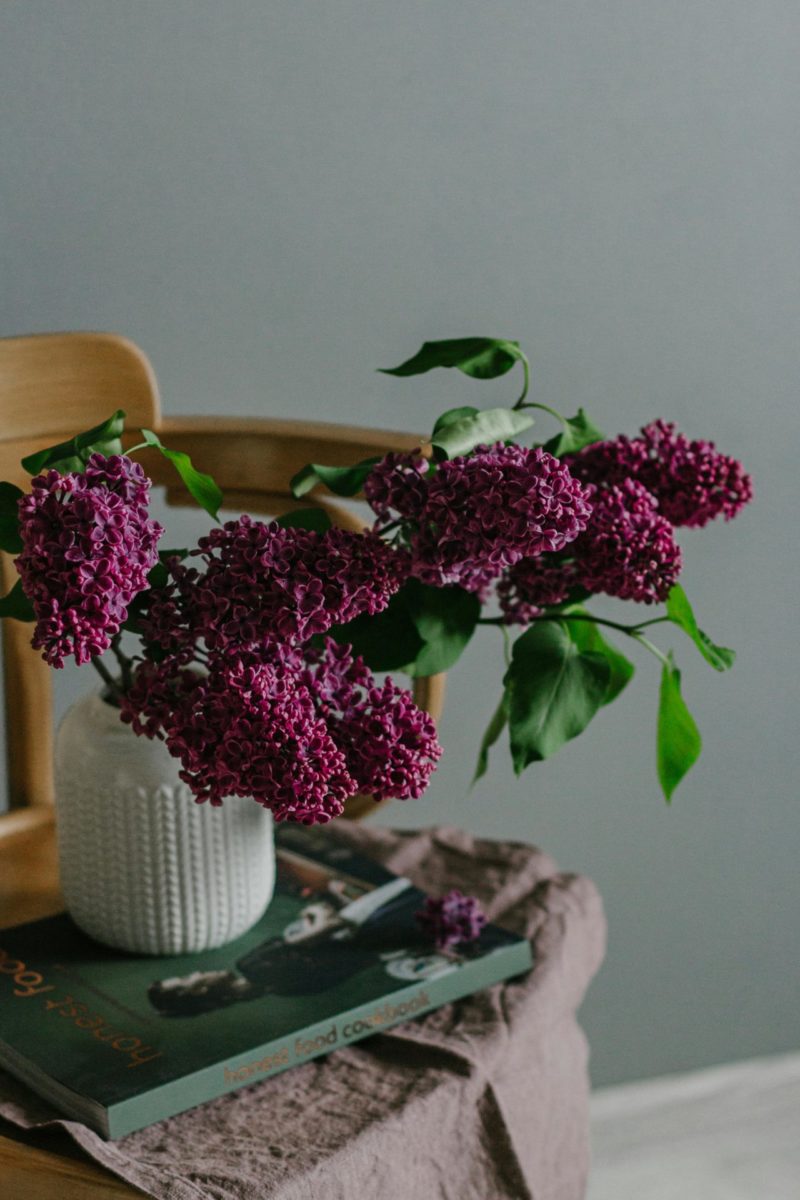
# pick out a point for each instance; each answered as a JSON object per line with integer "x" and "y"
{"x": 144, "y": 867}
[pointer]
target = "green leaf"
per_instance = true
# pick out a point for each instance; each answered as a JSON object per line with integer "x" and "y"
{"x": 16, "y": 604}
{"x": 423, "y": 630}
{"x": 679, "y": 611}
{"x": 445, "y": 619}
{"x": 587, "y": 636}
{"x": 10, "y": 541}
{"x": 482, "y": 358}
{"x": 678, "y": 743}
{"x": 387, "y": 641}
{"x": 75, "y": 453}
{"x": 454, "y": 414}
{"x": 315, "y": 519}
{"x": 493, "y": 730}
{"x": 484, "y": 428}
{"x": 199, "y": 485}
{"x": 553, "y": 689}
{"x": 342, "y": 481}
{"x": 578, "y": 433}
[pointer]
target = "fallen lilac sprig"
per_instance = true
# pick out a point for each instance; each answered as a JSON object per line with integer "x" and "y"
{"x": 451, "y": 920}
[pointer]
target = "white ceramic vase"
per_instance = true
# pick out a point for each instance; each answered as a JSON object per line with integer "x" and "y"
{"x": 144, "y": 868}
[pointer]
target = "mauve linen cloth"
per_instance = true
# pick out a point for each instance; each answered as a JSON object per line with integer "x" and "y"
{"x": 484, "y": 1099}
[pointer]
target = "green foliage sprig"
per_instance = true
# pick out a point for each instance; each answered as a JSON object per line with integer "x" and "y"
{"x": 562, "y": 670}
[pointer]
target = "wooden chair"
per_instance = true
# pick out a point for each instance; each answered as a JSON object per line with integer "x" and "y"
{"x": 52, "y": 386}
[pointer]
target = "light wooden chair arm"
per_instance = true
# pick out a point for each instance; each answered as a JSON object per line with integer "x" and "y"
{"x": 263, "y": 453}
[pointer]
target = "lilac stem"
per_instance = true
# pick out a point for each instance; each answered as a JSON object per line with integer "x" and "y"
{"x": 107, "y": 678}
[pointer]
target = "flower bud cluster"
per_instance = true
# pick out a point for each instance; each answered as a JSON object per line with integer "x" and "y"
{"x": 451, "y": 920}
{"x": 297, "y": 729}
{"x": 640, "y": 489}
{"x": 274, "y": 715}
{"x": 478, "y": 514}
{"x": 88, "y": 544}
{"x": 691, "y": 481}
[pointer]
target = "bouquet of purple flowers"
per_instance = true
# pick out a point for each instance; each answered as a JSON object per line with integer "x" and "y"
{"x": 256, "y": 651}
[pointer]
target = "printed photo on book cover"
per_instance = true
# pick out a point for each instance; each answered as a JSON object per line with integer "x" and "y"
{"x": 345, "y": 926}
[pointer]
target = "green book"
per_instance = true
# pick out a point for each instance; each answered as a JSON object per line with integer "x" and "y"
{"x": 119, "y": 1041}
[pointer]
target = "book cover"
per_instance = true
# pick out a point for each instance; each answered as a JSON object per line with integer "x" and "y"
{"x": 121, "y": 1041}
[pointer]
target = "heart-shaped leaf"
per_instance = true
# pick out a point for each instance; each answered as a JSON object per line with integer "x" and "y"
{"x": 553, "y": 689}
{"x": 445, "y": 619}
{"x": 200, "y": 486}
{"x": 315, "y": 519}
{"x": 342, "y": 481}
{"x": 480, "y": 357}
{"x": 16, "y": 604}
{"x": 679, "y": 611}
{"x": 423, "y": 630}
{"x": 10, "y": 540}
{"x": 387, "y": 641}
{"x": 587, "y": 636}
{"x": 74, "y": 454}
{"x": 577, "y": 433}
{"x": 493, "y": 730}
{"x": 678, "y": 742}
{"x": 484, "y": 428}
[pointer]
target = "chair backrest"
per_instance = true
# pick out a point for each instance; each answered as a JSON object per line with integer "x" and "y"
{"x": 53, "y": 385}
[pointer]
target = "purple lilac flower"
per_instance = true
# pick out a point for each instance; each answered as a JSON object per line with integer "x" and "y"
{"x": 247, "y": 728}
{"x": 691, "y": 480}
{"x": 169, "y": 621}
{"x": 88, "y": 545}
{"x": 533, "y": 584}
{"x": 389, "y": 744}
{"x": 487, "y": 511}
{"x": 451, "y": 920}
{"x": 296, "y": 728}
{"x": 396, "y": 486}
{"x": 263, "y": 582}
{"x": 629, "y": 549}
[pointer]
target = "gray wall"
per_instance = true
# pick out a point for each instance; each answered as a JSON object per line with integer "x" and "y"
{"x": 274, "y": 199}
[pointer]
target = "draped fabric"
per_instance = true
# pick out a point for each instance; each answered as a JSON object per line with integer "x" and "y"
{"x": 484, "y": 1099}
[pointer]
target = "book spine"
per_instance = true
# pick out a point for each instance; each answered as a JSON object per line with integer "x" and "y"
{"x": 316, "y": 1040}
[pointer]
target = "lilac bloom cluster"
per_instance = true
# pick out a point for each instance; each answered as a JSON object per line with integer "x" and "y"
{"x": 396, "y": 486}
{"x": 230, "y": 680}
{"x": 298, "y": 729}
{"x": 628, "y": 550}
{"x": 88, "y": 545}
{"x": 534, "y": 584}
{"x": 451, "y": 920}
{"x": 262, "y": 581}
{"x": 298, "y": 726}
{"x": 481, "y": 513}
{"x": 692, "y": 482}
{"x": 246, "y": 728}
{"x": 390, "y": 745}
{"x": 640, "y": 489}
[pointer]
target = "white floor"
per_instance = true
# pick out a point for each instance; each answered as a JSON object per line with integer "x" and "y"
{"x": 730, "y": 1133}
